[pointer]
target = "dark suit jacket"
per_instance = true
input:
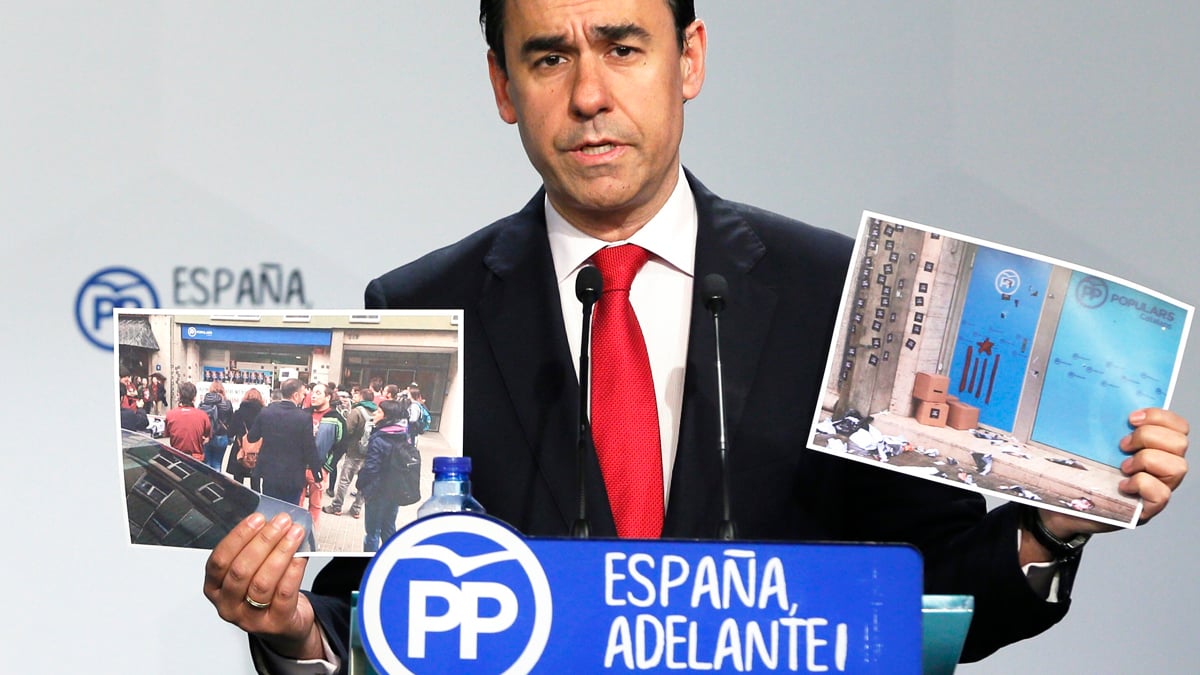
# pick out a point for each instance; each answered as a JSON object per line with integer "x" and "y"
{"x": 288, "y": 447}
{"x": 785, "y": 280}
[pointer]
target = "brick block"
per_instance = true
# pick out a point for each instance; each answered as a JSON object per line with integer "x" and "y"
{"x": 932, "y": 414}
{"x": 963, "y": 416}
{"x": 931, "y": 387}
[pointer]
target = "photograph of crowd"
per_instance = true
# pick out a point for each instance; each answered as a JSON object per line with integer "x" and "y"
{"x": 337, "y": 416}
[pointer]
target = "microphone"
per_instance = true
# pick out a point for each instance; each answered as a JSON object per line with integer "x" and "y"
{"x": 589, "y": 284}
{"x": 713, "y": 292}
{"x": 714, "y": 289}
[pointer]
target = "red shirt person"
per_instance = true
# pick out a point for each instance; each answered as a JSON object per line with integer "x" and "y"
{"x": 188, "y": 428}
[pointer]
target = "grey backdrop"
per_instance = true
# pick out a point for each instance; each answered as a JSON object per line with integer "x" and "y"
{"x": 342, "y": 139}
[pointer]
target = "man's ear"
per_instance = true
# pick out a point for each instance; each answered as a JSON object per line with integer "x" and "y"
{"x": 499, "y": 78}
{"x": 691, "y": 61}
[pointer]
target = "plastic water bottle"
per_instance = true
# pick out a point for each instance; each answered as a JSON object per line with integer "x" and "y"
{"x": 360, "y": 663}
{"x": 451, "y": 494}
{"x": 451, "y": 488}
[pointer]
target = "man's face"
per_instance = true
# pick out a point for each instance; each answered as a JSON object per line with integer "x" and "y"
{"x": 596, "y": 89}
{"x": 320, "y": 398}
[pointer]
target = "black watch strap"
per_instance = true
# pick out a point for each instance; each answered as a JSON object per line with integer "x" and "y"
{"x": 1062, "y": 550}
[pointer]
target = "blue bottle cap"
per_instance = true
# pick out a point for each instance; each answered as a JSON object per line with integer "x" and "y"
{"x": 452, "y": 464}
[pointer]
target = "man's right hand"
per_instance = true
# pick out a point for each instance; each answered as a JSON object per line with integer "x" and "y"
{"x": 253, "y": 579}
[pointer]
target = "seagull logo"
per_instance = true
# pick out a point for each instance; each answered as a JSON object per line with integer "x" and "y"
{"x": 1007, "y": 282}
{"x": 109, "y": 289}
{"x": 454, "y": 592}
{"x": 1091, "y": 292}
{"x": 459, "y": 565}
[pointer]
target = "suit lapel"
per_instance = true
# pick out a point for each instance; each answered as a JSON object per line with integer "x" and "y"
{"x": 725, "y": 245}
{"x": 521, "y": 318}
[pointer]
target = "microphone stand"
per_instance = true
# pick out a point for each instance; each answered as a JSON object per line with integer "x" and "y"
{"x": 715, "y": 289}
{"x": 588, "y": 286}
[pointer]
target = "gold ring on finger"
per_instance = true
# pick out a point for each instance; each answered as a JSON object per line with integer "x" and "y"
{"x": 256, "y": 604}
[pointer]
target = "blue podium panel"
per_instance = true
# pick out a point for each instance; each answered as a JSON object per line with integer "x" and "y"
{"x": 466, "y": 593}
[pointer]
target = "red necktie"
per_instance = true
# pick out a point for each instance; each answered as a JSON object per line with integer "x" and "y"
{"x": 624, "y": 409}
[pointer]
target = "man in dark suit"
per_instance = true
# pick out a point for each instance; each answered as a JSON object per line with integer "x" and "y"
{"x": 597, "y": 90}
{"x": 288, "y": 448}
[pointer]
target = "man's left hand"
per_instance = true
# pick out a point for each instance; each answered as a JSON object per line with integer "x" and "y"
{"x": 1156, "y": 466}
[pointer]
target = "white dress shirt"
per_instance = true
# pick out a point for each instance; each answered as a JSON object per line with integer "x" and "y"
{"x": 661, "y": 295}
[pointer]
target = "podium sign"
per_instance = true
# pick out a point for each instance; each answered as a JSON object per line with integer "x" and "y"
{"x": 467, "y": 593}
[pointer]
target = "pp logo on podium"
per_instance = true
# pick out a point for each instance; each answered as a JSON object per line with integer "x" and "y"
{"x": 453, "y": 593}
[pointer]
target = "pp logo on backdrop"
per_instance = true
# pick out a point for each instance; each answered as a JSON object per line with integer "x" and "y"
{"x": 453, "y": 593}
{"x": 110, "y": 288}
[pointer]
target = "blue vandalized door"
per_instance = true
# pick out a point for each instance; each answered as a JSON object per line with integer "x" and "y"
{"x": 1114, "y": 352}
{"x": 995, "y": 335}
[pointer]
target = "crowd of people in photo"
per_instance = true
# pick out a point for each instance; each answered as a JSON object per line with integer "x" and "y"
{"x": 147, "y": 395}
{"x": 358, "y": 445}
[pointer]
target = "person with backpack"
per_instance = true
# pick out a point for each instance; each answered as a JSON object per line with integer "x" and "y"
{"x": 419, "y": 418}
{"x": 391, "y": 474}
{"x": 360, "y": 422}
{"x": 220, "y": 415}
{"x": 329, "y": 429}
{"x": 244, "y": 456}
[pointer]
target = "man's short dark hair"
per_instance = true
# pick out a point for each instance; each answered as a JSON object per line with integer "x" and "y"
{"x": 366, "y": 395}
{"x": 491, "y": 20}
{"x": 187, "y": 393}
{"x": 392, "y": 410}
{"x": 391, "y": 390}
{"x": 289, "y": 387}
